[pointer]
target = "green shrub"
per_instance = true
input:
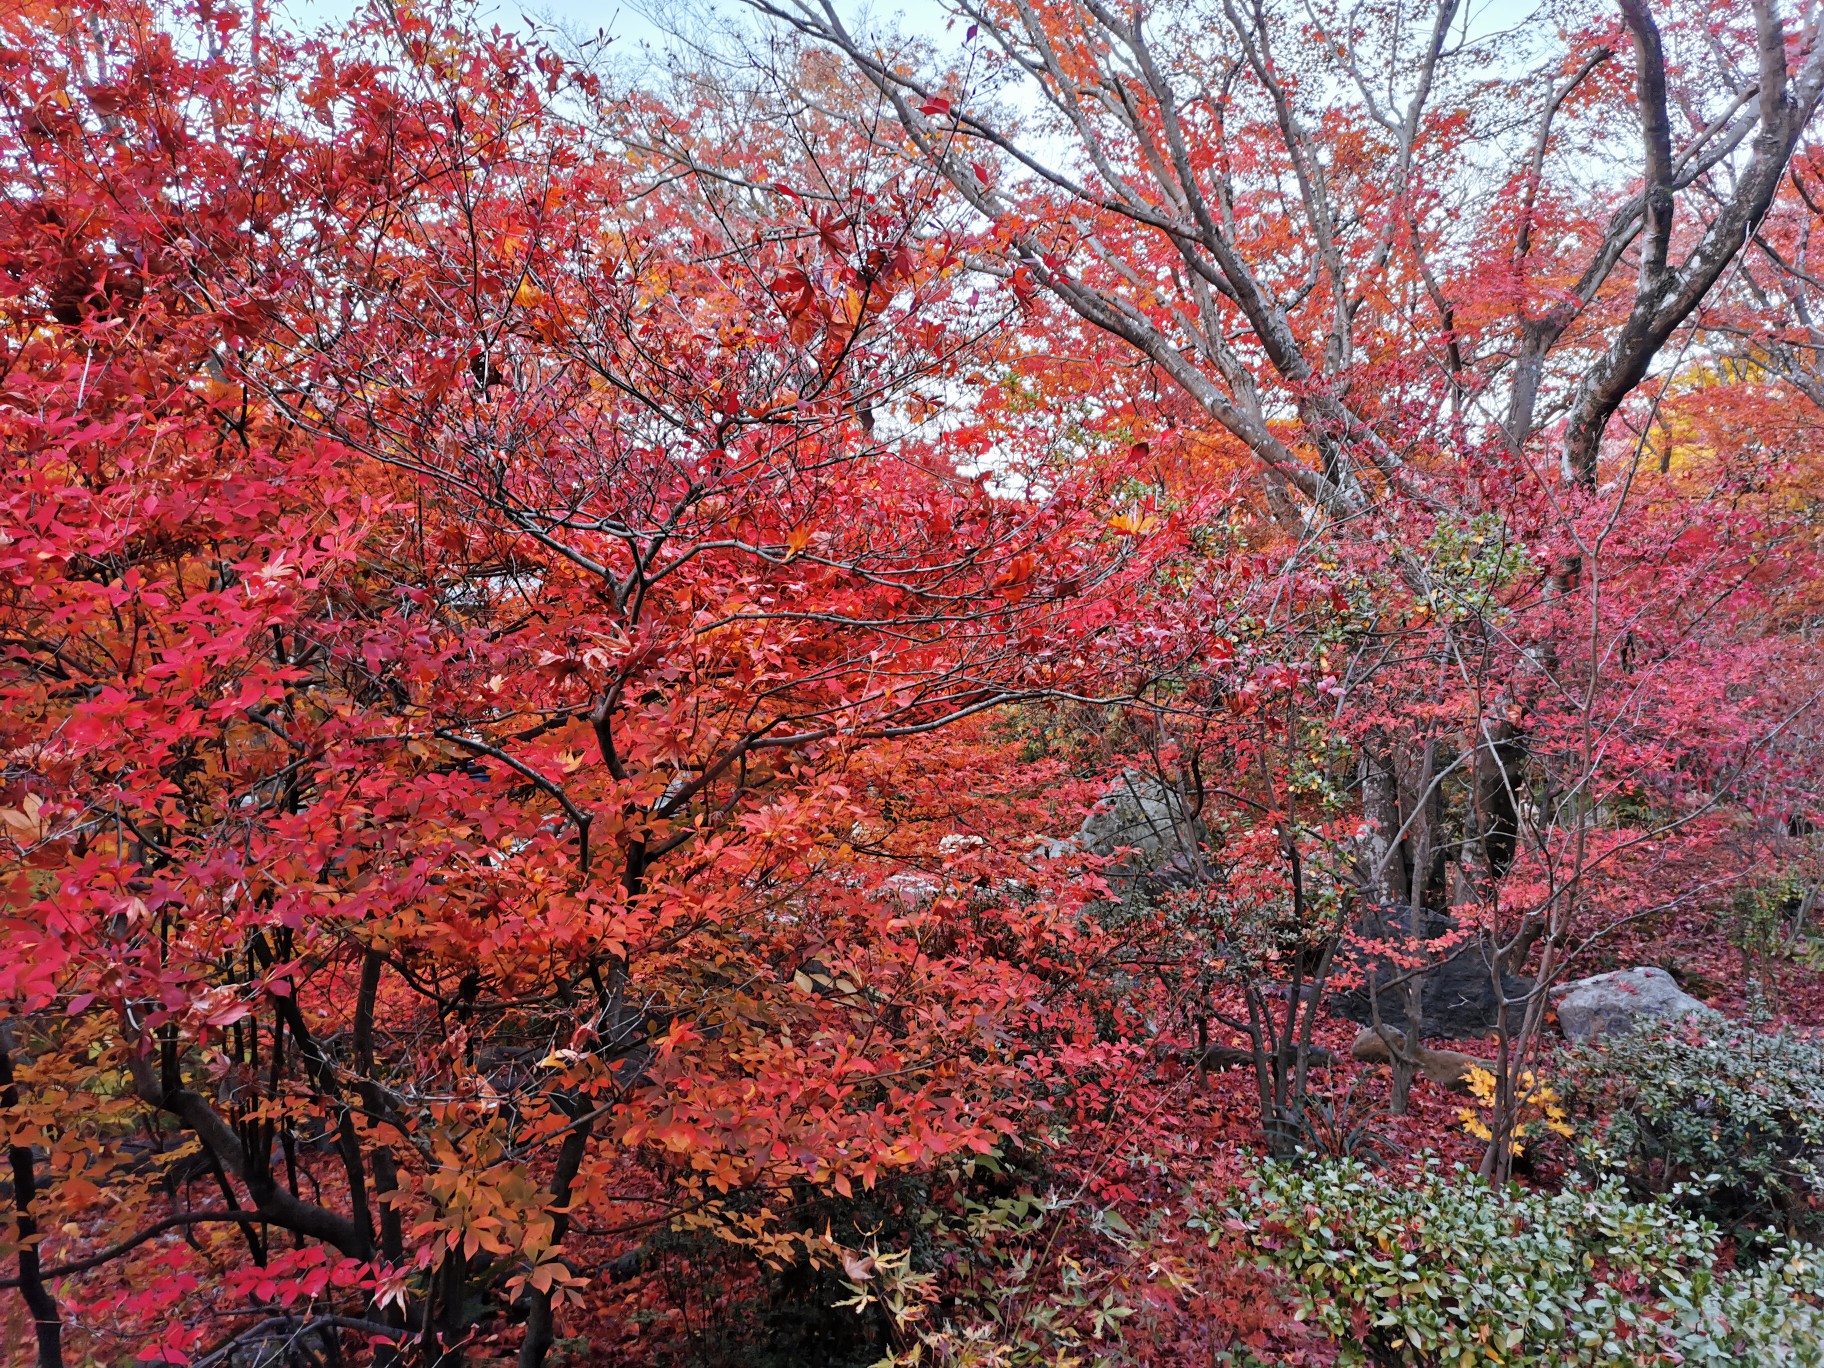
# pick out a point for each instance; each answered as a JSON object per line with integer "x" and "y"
{"x": 1733, "y": 1117}
{"x": 1433, "y": 1267}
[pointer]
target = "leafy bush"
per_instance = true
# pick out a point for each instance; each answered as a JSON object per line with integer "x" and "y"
{"x": 1434, "y": 1267}
{"x": 1733, "y": 1117}
{"x": 1767, "y": 922}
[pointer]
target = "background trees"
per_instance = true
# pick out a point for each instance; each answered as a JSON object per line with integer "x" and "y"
{"x": 1409, "y": 269}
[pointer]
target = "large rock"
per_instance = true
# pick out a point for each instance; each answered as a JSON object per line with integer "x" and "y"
{"x": 1050, "y": 847}
{"x": 1147, "y": 818}
{"x": 1613, "y": 1004}
{"x": 1458, "y": 997}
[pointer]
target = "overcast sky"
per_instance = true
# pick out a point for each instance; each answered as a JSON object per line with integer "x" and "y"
{"x": 629, "y": 23}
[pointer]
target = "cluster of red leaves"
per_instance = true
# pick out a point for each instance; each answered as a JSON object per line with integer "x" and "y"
{"x": 447, "y": 579}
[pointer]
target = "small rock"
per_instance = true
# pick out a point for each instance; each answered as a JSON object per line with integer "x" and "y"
{"x": 1447, "y": 1068}
{"x": 1613, "y": 1004}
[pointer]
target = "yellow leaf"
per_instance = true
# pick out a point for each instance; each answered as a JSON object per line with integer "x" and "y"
{"x": 1133, "y": 524}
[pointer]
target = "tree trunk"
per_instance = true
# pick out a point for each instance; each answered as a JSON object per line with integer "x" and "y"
{"x": 541, "y": 1323}
{"x": 1385, "y": 890}
{"x": 46, "y": 1320}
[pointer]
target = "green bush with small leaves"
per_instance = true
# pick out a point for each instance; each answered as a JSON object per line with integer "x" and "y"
{"x": 1731, "y": 1117}
{"x": 1432, "y": 1267}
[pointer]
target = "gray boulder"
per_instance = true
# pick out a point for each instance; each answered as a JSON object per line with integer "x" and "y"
{"x": 1051, "y": 848}
{"x": 1137, "y": 811}
{"x": 1613, "y": 1004}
